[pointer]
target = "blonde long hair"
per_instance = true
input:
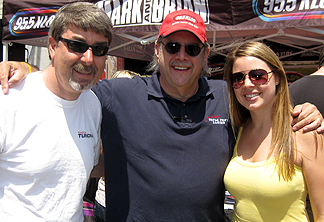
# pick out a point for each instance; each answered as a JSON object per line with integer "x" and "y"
{"x": 282, "y": 146}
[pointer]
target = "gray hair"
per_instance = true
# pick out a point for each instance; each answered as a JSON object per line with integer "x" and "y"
{"x": 154, "y": 64}
{"x": 84, "y": 15}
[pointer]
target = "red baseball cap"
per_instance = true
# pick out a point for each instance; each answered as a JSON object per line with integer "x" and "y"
{"x": 184, "y": 20}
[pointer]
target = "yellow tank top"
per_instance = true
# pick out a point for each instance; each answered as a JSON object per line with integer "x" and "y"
{"x": 260, "y": 195}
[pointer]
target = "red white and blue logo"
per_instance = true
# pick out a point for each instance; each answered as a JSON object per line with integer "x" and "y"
{"x": 32, "y": 21}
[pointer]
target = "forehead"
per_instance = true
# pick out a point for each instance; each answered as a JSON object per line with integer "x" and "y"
{"x": 183, "y": 36}
{"x": 247, "y": 63}
{"x": 89, "y": 36}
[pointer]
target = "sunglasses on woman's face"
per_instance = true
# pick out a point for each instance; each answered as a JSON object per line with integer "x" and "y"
{"x": 256, "y": 76}
{"x": 81, "y": 47}
{"x": 191, "y": 49}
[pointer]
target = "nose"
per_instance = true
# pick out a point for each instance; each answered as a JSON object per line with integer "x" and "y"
{"x": 182, "y": 53}
{"x": 247, "y": 81}
{"x": 87, "y": 56}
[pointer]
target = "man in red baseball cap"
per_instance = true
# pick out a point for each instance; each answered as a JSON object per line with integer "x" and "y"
{"x": 181, "y": 54}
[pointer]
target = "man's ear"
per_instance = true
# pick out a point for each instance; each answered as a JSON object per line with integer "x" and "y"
{"x": 156, "y": 50}
{"x": 52, "y": 43}
{"x": 207, "y": 52}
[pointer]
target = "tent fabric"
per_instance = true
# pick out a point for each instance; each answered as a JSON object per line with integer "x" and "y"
{"x": 297, "y": 24}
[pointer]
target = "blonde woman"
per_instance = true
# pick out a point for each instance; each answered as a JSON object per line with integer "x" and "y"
{"x": 272, "y": 168}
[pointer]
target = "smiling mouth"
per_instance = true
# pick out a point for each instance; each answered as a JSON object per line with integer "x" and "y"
{"x": 252, "y": 95}
{"x": 180, "y": 68}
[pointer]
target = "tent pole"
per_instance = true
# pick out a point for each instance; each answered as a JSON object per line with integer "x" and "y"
{"x": 305, "y": 38}
{"x": 5, "y": 46}
{"x": 128, "y": 43}
{"x": 300, "y": 52}
{"x": 214, "y": 41}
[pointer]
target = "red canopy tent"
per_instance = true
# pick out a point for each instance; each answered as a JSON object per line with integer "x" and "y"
{"x": 296, "y": 25}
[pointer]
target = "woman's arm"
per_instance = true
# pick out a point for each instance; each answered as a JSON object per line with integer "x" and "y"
{"x": 311, "y": 153}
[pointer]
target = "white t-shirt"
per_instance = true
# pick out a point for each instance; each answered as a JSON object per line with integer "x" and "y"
{"x": 48, "y": 147}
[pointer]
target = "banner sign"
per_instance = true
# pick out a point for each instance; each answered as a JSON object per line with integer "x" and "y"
{"x": 149, "y": 12}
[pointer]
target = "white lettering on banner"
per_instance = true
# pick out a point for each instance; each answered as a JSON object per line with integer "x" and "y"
{"x": 27, "y": 23}
{"x": 157, "y": 11}
{"x": 136, "y": 12}
{"x": 106, "y": 6}
{"x": 170, "y": 6}
{"x": 115, "y": 15}
{"x": 187, "y": 5}
{"x": 314, "y": 6}
{"x": 307, "y": 4}
{"x": 149, "y": 12}
{"x": 179, "y": 4}
{"x": 31, "y": 22}
{"x": 126, "y": 13}
{"x": 304, "y": 4}
{"x": 279, "y": 6}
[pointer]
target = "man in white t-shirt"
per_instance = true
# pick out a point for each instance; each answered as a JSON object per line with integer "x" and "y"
{"x": 50, "y": 124}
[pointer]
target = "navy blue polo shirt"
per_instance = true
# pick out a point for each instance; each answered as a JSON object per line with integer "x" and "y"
{"x": 164, "y": 159}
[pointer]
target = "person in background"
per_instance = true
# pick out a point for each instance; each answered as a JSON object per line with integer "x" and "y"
{"x": 167, "y": 139}
{"x": 310, "y": 89}
{"x": 50, "y": 123}
{"x": 272, "y": 167}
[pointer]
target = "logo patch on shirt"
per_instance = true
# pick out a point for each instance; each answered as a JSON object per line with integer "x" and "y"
{"x": 216, "y": 120}
{"x": 84, "y": 134}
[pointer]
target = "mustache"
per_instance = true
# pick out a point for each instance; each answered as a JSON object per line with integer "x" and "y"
{"x": 79, "y": 67}
{"x": 177, "y": 63}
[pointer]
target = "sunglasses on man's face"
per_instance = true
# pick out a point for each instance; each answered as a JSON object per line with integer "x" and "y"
{"x": 81, "y": 47}
{"x": 256, "y": 76}
{"x": 191, "y": 49}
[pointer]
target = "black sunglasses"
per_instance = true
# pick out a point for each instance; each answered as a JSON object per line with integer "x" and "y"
{"x": 81, "y": 47}
{"x": 256, "y": 76}
{"x": 191, "y": 49}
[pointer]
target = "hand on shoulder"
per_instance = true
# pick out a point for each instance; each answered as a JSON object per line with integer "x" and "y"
{"x": 12, "y": 73}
